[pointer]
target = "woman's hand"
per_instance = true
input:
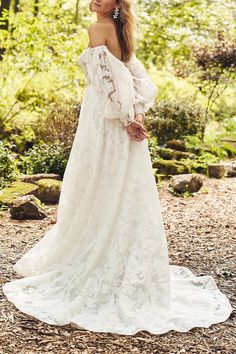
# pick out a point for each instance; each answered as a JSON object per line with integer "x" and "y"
{"x": 136, "y": 129}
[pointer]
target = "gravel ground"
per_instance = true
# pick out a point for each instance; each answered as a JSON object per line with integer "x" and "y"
{"x": 201, "y": 232}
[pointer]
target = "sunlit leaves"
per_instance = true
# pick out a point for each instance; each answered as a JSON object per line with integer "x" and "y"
{"x": 170, "y": 27}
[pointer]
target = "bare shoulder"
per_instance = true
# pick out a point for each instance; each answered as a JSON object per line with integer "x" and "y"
{"x": 104, "y": 27}
{"x": 100, "y": 25}
{"x": 99, "y": 32}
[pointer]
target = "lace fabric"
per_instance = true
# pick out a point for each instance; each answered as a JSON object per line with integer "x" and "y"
{"x": 123, "y": 92}
{"x": 104, "y": 265}
{"x": 145, "y": 90}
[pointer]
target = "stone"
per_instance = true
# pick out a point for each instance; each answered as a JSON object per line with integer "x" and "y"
{"x": 187, "y": 183}
{"x": 171, "y": 167}
{"x": 27, "y": 208}
{"x": 176, "y": 144}
{"x": 230, "y": 167}
{"x": 170, "y": 154}
{"x": 49, "y": 190}
{"x": 216, "y": 170}
{"x": 15, "y": 190}
{"x": 231, "y": 171}
{"x": 38, "y": 176}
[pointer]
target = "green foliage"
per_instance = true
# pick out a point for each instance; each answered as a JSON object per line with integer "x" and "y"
{"x": 48, "y": 158}
{"x": 40, "y": 61}
{"x": 219, "y": 149}
{"x": 168, "y": 28}
{"x": 207, "y": 153}
{"x": 8, "y": 165}
{"x": 224, "y": 109}
{"x": 201, "y": 162}
{"x": 173, "y": 119}
{"x": 153, "y": 146}
{"x": 20, "y": 138}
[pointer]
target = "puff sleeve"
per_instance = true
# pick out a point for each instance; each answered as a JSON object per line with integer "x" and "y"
{"x": 115, "y": 84}
{"x": 145, "y": 90}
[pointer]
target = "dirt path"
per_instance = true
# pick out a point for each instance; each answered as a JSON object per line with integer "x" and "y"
{"x": 201, "y": 232}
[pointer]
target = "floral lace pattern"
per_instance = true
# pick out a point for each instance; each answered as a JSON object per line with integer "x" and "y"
{"x": 145, "y": 90}
{"x": 123, "y": 92}
{"x": 116, "y": 92}
{"x": 104, "y": 265}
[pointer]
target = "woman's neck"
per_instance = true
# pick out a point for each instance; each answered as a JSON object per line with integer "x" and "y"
{"x": 104, "y": 18}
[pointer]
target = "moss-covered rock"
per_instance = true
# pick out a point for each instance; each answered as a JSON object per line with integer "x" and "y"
{"x": 49, "y": 190}
{"x": 35, "y": 177}
{"x": 17, "y": 189}
{"x": 171, "y": 167}
{"x": 176, "y": 144}
{"x": 170, "y": 154}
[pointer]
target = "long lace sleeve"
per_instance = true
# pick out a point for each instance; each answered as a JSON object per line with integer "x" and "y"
{"x": 145, "y": 90}
{"x": 114, "y": 82}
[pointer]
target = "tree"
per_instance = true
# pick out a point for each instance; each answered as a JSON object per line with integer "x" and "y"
{"x": 216, "y": 66}
{"x": 36, "y": 7}
{"x": 4, "y": 23}
{"x": 16, "y": 6}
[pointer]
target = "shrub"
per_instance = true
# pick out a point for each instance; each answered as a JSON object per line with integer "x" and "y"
{"x": 173, "y": 119}
{"x": 21, "y": 137}
{"x": 60, "y": 124}
{"x": 48, "y": 158}
{"x": 8, "y": 165}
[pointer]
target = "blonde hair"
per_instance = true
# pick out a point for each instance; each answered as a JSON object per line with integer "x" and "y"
{"x": 125, "y": 26}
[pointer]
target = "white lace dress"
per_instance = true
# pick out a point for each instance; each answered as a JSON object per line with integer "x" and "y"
{"x": 104, "y": 265}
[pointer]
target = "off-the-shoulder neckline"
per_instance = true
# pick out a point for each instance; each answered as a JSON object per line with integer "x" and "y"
{"x": 104, "y": 45}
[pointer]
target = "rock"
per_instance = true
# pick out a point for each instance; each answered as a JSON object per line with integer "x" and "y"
{"x": 216, "y": 170}
{"x": 176, "y": 144}
{"x": 15, "y": 190}
{"x": 49, "y": 190}
{"x": 231, "y": 171}
{"x": 171, "y": 167}
{"x": 38, "y": 176}
{"x": 230, "y": 167}
{"x": 27, "y": 208}
{"x": 187, "y": 183}
{"x": 170, "y": 154}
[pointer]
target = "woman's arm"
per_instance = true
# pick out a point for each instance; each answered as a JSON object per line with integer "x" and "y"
{"x": 145, "y": 90}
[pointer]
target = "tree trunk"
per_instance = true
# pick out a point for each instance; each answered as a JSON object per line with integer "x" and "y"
{"x": 5, "y": 5}
{"x": 36, "y": 7}
{"x": 76, "y": 11}
{"x": 16, "y": 6}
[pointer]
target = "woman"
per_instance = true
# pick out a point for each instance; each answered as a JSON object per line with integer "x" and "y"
{"x": 104, "y": 265}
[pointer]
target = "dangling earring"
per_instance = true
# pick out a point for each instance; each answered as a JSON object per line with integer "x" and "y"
{"x": 116, "y": 13}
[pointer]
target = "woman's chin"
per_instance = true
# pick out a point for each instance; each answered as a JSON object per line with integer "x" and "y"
{"x": 96, "y": 8}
